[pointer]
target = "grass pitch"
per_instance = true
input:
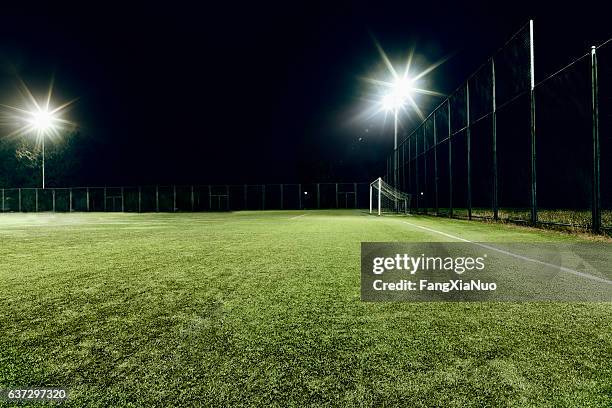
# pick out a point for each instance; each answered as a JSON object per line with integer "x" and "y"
{"x": 263, "y": 308}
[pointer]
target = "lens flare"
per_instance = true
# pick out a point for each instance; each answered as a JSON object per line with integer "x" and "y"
{"x": 36, "y": 117}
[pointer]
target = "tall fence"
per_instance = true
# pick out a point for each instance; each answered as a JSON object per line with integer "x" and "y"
{"x": 186, "y": 198}
{"x": 504, "y": 147}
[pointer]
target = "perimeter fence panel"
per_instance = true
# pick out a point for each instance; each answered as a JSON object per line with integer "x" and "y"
{"x": 429, "y": 199}
{"x": 28, "y": 199}
{"x": 45, "y": 199}
{"x": 481, "y": 151}
{"x": 564, "y": 146}
{"x": 62, "y": 200}
{"x": 114, "y": 199}
{"x": 514, "y": 160}
{"x": 238, "y": 195}
{"x": 442, "y": 160}
{"x": 459, "y": 169}
{"x": 130, "y": 197}
{"x": 459, "y": 151}
{"x": 327, "y": 195}
{"x": 412, "y": 179}
{"x": 219, "y": 198}
{"x": 513, "y": 67}
{"x": 201, "y": 198}
{"x": 255, "y": 197}
{"x": 292, "y": 196}
{"x": 183, "y": 198}
{"x": 274, "y": 197}
{"x": 80, "y": 199}
{"x": 604, "y": 76}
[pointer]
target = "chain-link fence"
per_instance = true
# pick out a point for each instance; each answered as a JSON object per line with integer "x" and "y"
{"x": 504, "y": 147}
{"x": 187, "y": 198}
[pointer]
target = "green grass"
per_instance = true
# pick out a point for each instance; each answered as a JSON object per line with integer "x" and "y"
{"x": 259, "y": 308}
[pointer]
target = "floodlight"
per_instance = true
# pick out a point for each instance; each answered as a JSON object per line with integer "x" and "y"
{"x": 401, "y": 91}
{"x": 39, "y": 118}
{"x": 42, "y": 120}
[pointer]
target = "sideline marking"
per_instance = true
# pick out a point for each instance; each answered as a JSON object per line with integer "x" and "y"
{"x": 524, "y": 258}
{"x": 297, "y": 216}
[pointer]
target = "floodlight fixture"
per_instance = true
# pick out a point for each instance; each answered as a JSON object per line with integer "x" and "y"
{"x": 39, "y": 118}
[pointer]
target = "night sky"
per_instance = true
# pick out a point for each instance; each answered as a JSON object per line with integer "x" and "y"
{"x": 254, "y": 93}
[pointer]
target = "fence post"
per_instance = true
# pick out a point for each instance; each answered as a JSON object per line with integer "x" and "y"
{"x": 494, "y": 130}
{"x": 156, "y": 198}
{"x": 2, "y": 200}
{"x": 355, "y": 190}
{"x": 192, "y": 199}
{"x": 263, "y": 197}
{"x": 281, "y": 196}
{"x": 53, "y": 198}
{"x": 299, "y": 196}
{"x": 534, "y": 202}
{"x": 87, "y": 196}
{"x": 139, "y": 199}
{"x": 19, "y": 199}
{"x": 596, "y": 205}
{"x": 209, "y": 197}
{"x": 416, "y": 172}
{"x": 70, "y": 199}
{"x": 174, "y": 198}
{"x": 105, "y": 198}
{"x": 318, "y": 196}
{"x": 228, "y": 197}
{"x": 122, "y": 200}
{"x": 468, "y": 134}
{"x": 403, "y": 168}
{"x": 36, "y": 199}
{"x": 337, "y": 194}
{"x": 435, "y": 135}
{"x": 450, "y": 163}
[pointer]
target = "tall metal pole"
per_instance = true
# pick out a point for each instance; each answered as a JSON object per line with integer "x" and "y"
{"x": 370, "y": 198}
{"x": 43, "y": 141}
{"x": 450, "y": 163}
{"x": 379, "y": 189}
{"x": 336, "y": 195}
{"x": 469, "y": 150}
{"x": 494, "y": 130}
{"x": 435, "y": 135}
{"x": 395, "y": 157}
{"x": 596, "y": 205}
{"x": 534, "y": 203}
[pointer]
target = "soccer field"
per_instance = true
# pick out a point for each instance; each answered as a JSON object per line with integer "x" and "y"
{"x": 263, "y": 308}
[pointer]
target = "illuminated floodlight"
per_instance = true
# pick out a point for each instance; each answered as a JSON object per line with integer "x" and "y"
{"x": 42, "y": 120}
{"x": 38, "y": 118}
{"x": 396, "y": 98}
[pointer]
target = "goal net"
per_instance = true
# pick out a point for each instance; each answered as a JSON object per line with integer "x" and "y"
{"x": 384, "y": 198}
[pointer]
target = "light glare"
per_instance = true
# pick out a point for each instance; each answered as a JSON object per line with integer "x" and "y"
{"x": 42, "y": 120}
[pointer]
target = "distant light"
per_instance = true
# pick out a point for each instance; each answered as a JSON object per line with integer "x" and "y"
{"x": 422, "y": 193}
{"x": 305, "y": 192}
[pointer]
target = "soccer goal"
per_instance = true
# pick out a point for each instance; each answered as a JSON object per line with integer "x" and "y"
{"x": 384, "y": 198}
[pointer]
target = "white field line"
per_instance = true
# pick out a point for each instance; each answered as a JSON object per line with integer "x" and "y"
{"x": 297, "y": 216}
{"x": 524, "y": 258}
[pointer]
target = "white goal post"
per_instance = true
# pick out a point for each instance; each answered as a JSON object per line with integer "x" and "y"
{"x": 384, "y": 198}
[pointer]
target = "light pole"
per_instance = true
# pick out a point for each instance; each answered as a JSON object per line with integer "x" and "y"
{"x": 42, "y": 122}
{"x": 39, "y": 118}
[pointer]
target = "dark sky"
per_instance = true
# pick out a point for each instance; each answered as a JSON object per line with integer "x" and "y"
{"x": 244, "y": 92}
